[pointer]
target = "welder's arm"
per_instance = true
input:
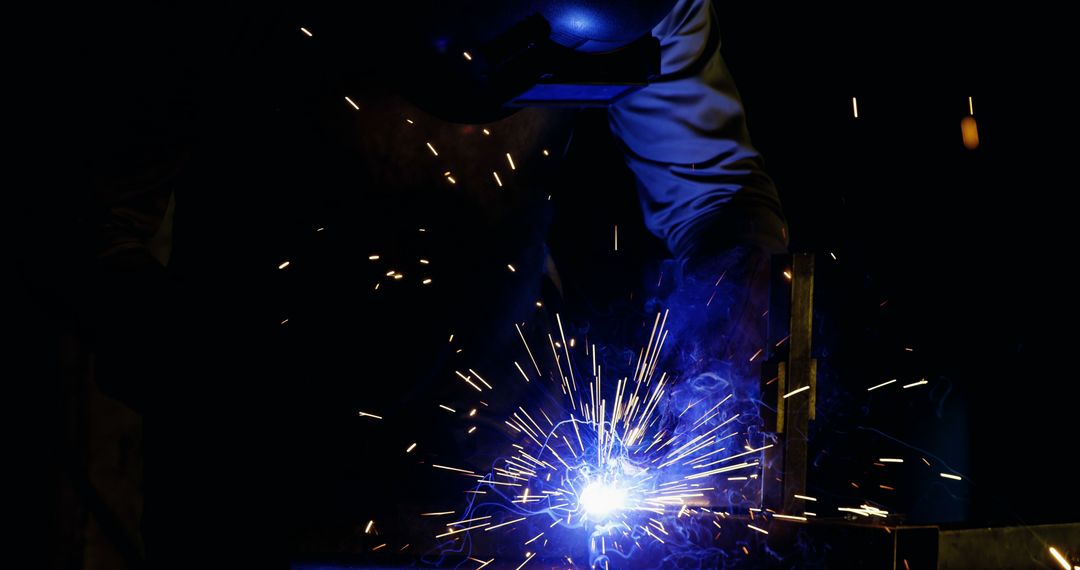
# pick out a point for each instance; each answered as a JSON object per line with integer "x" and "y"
{"x": 701, "y": 183}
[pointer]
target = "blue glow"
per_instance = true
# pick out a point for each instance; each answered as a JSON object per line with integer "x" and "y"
{"x": 599, "y": 499}
{"x": 577, "y": 22}
{"x": 606, "y": 449}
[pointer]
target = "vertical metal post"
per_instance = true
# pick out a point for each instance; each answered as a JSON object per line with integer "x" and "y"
{"x": 801, "y": 373}
{"x": 791, "y": 328}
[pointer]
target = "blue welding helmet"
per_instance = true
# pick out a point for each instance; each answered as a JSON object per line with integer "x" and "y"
{"x": 476, "y": 61}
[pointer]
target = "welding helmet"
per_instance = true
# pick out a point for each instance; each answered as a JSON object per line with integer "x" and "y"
{"x": 477, "y": 60}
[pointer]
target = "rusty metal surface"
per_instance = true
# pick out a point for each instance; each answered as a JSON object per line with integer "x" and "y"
{"x": 800, "y": 372}
{"x": 1006, "y": 547}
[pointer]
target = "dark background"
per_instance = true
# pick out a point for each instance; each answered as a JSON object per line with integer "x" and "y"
{"x": 961, "y": 255}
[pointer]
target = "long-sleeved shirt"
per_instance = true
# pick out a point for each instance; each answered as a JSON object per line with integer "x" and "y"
{"x": 700, "y": 181}
{"x": 686, "y": 141}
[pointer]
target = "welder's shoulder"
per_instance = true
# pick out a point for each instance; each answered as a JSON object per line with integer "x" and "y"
{"x": 683, "y": 33}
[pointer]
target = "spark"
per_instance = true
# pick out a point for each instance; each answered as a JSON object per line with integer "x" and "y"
{"x": 873, "y": 511}
{"x": 616, "y": 237}
{"x": 789, "y": 517}
{"x": 890, "y": 460}
{"x": 320, "y": 229}
{"x": 721, "y": 470}
{"x": 433, "y": 151}
{"x": 378, "y": 547}
{"x": 467, "y": 56}
{"x": 527, "y": 559}
{"x": 880, "y": 385}
{"x": 283, "y": 265}
{"x": 833, "y": 255}
{"x": 424, "y": 261}
{"x": 951, "y": 476}
{"x": 437, "y": 514}
{"x": 523, "y": 374}
{"x": 500, "y": 525}
{"x": 913, "y": 384}
{"x": 545, "y": 151}
{"x": 426, "y": 281}
{"x": 787, "y": 274}
{"x": 497, "y": 179}
{"x": 353, "y": 103}
{"x": 481, "y": 379}
{"x": 410, "y": 121}
{"x": 457, "y": 530}
{"x": 969, "y": 132}
{"x": 855, "y": 107}
{"x": 614, "y": 446}
{"x": 367, "y": 415}
{"x": 510, "y": 159}
{"x": 468, "y": 381}
{"x": 285, "y": 321}
{"x": 486, "y": 132}
{"x": 467, "y": 521}
{"x": 761, "y": 530}
{"x": 793, "y": 392}
{"x": 410, "y": 448}
{"x": 367, "y": 529}
{"x": 373, "y": 257}
{"x": 804, "y": 497}
{"x": 971, "y": 111}
{"x": 306, "y": 32}
{"x": 1061, "y": 559}
{"x": 511, "y": 268}
{"x": 465, "y": 471}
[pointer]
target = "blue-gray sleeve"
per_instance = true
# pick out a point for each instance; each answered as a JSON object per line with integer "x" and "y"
{"x": 686, "y": 141}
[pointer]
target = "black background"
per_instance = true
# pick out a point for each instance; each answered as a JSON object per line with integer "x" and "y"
{"x": 970, "y": 249}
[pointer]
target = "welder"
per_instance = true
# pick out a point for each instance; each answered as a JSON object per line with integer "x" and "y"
{"x": 421, "y": 79}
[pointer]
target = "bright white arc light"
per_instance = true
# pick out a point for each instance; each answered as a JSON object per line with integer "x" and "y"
{"x": 600, "y": 499}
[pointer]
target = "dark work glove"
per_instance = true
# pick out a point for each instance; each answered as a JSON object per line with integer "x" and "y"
{"x": 717, "y": 324}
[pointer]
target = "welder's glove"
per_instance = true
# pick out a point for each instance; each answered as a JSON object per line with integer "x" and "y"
{"x": 717, "y": 327}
